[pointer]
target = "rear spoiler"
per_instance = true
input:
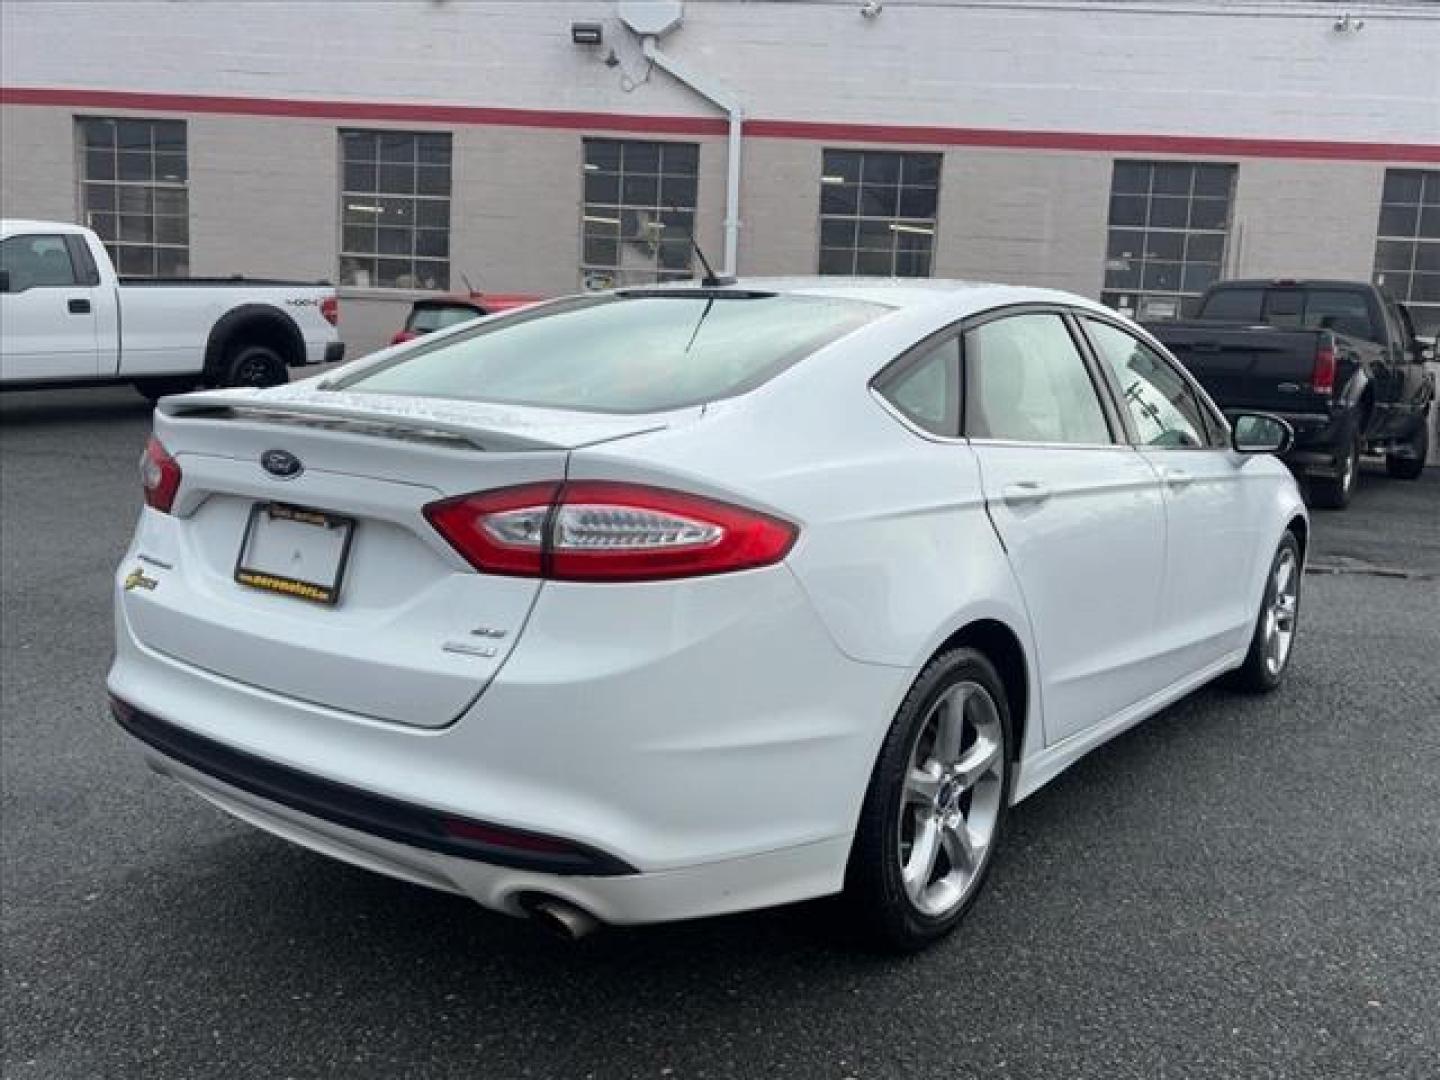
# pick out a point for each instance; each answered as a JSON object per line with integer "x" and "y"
{"x": 473, "y": 424}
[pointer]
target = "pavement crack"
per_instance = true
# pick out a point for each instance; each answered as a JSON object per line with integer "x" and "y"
{"x": 1356, "y": 566}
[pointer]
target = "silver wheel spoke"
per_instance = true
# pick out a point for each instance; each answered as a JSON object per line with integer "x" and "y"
{"x": 960, "y": 847}
{"x": 1283, "y": 576}
{"x": 951, "y": 729}
{"x": 978, "y": 760}
{"x": 921, "y": 864}
{"x": 921, "y": 786}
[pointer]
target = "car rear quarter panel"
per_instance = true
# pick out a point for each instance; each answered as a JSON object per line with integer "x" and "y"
{"x": 896, "y": 552}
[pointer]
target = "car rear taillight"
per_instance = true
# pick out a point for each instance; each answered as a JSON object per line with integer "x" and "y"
{"x": 1322, "y": 375}
{"x": 330, "y": 308}
{"x": 159, "y": 476}
{"x": 606, "y": 531}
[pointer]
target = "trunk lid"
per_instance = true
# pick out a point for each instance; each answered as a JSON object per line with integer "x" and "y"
{"x": 415, "y": 633}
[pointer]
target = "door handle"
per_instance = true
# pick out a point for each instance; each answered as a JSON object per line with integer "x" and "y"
{"x": 1175, "y": 478}
{"x": 79, "y": 307}
{"x": 1025, "y": 491}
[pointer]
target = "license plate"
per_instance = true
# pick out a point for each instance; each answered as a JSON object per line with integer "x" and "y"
{"x": 295, "y": 552}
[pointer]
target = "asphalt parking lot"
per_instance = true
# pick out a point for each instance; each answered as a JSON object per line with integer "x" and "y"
{"x": 1240, "y": 888}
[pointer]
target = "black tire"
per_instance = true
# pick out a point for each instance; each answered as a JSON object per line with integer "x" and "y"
{"x": 1258, "y": 675}
{"x": 875, "y": 890}
{"x": 1334, "y": 493}
{"x": 251, "y": 364}
{"x": 152, "y": 390}
{"x": 1411, "y": 468}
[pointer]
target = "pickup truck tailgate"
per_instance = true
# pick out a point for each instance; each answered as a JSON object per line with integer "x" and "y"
{"x": 1249, "y": 367}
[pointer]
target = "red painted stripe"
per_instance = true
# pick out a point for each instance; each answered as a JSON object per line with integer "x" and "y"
{"x": 1200, "y": 145}
{"x": 1094, "y": 142}
{"x": 360, "y": 110}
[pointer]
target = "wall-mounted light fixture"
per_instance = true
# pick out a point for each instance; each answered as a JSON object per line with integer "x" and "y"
{"x": 587, "y": 33}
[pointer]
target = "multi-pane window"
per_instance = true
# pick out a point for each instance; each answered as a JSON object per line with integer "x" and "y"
{"x": 639, "y": 212}
{"x": 395, "y": 209}
{"x": 1407, "y": 252}
{"x": 877, "y": 212}
{"x": 1168, "y": 225}
{"x": 133, "y": 193}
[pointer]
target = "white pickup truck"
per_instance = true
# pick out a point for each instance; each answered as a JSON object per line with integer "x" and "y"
{"x": 66, "y": 319}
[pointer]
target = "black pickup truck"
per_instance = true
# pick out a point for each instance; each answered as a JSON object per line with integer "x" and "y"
{"x": 1338, "y": 359}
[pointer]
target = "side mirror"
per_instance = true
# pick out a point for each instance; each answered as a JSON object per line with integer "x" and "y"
{"x": 1260, "y": 433}
{"x": 1430, "y": 354}
{"x": 4, "y": 281}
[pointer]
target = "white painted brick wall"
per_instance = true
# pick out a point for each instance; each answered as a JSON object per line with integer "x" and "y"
{"x": 1253, "y": 69}
{"x": 264, "y": 191}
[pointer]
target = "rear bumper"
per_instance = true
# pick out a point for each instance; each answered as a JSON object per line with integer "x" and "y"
{"x": 322, "y": 352}
{"x": 717, "y": 888}
{"x": 705, "y": 751}
{"x": 359, "y": 810}
{"x": 1317, "y": 438}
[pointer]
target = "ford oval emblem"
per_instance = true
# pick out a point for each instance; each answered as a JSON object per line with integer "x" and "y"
{"x": 281, "y": 463}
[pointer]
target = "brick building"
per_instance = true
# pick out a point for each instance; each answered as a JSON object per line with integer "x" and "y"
{"x": 1129, "y": 150}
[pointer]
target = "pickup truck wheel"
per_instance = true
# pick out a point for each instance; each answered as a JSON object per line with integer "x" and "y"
{"x": 1334, "y": 493}
{"x": 255, "y": 365}
{"x": 1410, "y": 467}
{"x": 1274, "y": 635}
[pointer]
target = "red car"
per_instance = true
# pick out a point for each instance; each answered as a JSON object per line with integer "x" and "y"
{"x": 438, "y": 312}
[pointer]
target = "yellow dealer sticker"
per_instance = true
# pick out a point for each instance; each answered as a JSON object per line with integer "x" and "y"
{"x": 137, "y": 579}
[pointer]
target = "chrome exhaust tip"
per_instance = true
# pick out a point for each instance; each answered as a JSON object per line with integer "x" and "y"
{"x": 560, "y": 918}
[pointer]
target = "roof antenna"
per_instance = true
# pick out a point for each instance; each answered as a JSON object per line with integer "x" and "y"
{"x": 711, "y": 280}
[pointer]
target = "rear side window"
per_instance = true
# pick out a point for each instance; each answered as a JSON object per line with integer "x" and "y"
{"x": 1340, "y": 310}
{"x": 1234, "y": 305}
{"x": 623, "y": 353}
{"x": 37, "y": 262}
{"x": 927, "y": 389}
{"x": 1025, "y": 381}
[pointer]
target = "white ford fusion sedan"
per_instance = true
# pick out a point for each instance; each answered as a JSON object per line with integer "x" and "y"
{"x": 674, "y": 601}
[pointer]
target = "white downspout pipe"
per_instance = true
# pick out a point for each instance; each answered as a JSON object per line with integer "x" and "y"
{"x": 725, "y": 99}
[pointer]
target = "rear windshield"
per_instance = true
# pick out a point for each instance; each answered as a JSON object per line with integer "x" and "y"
{"x": 623, "y": 353}
{"x": 1234, "y": 305}
{"x": 1343, "y": 310}
{"x": 436, "y": 317}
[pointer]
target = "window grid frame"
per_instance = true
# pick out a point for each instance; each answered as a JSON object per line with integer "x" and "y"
{"x": 116, "y": 246}
{"x": 413, "y": 258}
{"x": 1141, "y": 293}
{"x": 1428, "y": 198}
{"x": 899, "y": 224}
{"x": 595, "y": 274}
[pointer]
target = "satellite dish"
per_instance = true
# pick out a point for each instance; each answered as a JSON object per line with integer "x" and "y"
{"x": 650, "y": 18}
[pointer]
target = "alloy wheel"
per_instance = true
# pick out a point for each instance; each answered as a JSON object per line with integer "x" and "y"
{"x": 954, "y": 784}
{"x": 1280, "y": 615}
